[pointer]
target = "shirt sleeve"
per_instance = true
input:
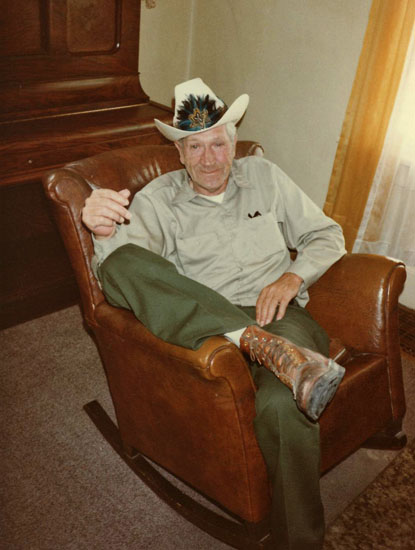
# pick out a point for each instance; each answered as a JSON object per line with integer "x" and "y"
{"x": 318, "y": 239}
{"x": 143, "y": 229}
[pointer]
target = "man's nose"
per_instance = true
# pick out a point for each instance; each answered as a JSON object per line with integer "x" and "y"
{"x": 208, "y": 156}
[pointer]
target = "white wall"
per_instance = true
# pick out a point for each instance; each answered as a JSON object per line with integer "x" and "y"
{"x": 165, "y": 47}
{"x": 296, "y": 59}
{"x": 408, "y": 295}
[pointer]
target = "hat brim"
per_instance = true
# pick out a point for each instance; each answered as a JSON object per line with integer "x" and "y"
{"x": 234, "y": 114}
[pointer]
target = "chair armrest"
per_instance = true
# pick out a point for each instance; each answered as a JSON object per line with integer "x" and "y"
{"x": 66, "y": 192}
{"x": 356, "y": 300}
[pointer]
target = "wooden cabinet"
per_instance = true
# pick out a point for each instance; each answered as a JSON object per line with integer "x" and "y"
{"x": 69, "y": 88}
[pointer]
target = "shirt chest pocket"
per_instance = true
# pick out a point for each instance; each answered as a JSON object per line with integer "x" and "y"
{"x": 259, "y": 238}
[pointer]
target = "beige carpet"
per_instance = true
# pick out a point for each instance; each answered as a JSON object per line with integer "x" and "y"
{"x": 64, "y": 488}
{"x": 383, "y": 516}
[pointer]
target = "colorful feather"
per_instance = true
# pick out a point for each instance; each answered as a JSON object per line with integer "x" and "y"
{"x": 198, "y": 112}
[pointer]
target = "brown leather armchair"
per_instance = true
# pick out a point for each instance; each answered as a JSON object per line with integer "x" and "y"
{"x": 196, "y": 422}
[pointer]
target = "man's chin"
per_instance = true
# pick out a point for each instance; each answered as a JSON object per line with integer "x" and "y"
{"x": 212, "y": 184}
{"x": 209, "y": 189}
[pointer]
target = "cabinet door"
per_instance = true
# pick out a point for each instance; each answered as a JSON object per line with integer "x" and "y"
{"x": 65, "y": 53}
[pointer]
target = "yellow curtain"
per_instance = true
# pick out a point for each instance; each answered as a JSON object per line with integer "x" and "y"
{"x": 371, "y": 102}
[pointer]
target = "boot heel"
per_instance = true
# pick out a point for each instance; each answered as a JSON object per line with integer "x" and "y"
{"x": 323, "y": 391}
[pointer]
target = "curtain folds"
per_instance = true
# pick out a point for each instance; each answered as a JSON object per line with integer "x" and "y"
{"x": 388, "y": 224}
{"x": 367, "y": 117}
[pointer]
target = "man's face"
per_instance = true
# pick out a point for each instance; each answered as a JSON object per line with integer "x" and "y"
{"x": 208, "y": 159}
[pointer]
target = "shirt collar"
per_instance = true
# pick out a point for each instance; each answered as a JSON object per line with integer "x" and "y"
{"x": 186, "y": 193}
{"x": 238, "y": 177}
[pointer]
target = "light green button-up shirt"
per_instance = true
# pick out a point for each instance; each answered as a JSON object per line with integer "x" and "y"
{"x": 241, "y": 245}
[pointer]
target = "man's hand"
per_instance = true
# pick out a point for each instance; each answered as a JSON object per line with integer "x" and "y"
{"x": 277, "y": 296}
{"x": 103, "y": 209}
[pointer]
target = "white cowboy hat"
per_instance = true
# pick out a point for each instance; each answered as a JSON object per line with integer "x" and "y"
{"x": 198, "y": 109}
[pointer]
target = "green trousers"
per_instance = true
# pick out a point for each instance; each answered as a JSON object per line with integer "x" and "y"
{"x": 184, "y": 312}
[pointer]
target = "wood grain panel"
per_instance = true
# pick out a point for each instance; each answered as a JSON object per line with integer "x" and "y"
{"x": 93, "y": 26}
{"x": 104, "y": 45}
{"x": 22, "y": 30}
{"x": 34, "y": 99}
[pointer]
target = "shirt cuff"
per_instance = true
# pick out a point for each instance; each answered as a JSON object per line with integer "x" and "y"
{"x": 307, "y": 272}
{"x": 104, "y": 247}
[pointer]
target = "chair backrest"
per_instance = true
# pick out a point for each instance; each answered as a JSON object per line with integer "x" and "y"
{"x": 67, "y": 188}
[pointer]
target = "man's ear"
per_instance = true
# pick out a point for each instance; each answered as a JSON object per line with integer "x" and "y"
{"x": 179, "y": 148}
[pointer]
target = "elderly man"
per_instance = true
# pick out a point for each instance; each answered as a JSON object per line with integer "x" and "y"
{"x": 204, "y": 251}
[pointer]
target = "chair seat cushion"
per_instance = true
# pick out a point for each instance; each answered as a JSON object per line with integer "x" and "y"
{"x": 359, "y": 409}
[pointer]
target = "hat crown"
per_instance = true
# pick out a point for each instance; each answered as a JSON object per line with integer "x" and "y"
{"x": 197, "y": 113}
{"x": 196, "y": 106}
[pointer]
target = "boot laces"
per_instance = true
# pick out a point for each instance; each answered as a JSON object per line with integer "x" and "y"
{"x": 272, "y": 353}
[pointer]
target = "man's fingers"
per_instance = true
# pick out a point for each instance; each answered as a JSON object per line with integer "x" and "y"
{"x": 282, "y": 308}
{"x": 103, "y": 209}
{"x": 266, "y": 307}
{"x": 272, "y": 303}
{"x": 116, "y": 213}
{"x": 117, "y": 196}
{"x": 98, "y": 221}
{"x": 101, "y": 218}
{"x": 125, "y": 193}
{"x": 274, "y": 298}
{"x": 259, "y": 311}
{"x": 106, "y": 206}
{"x": 275, "y": 309}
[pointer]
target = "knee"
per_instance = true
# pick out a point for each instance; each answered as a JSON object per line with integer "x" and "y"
{"x": 115, "y": 261}
{"x": 132, "y": 259}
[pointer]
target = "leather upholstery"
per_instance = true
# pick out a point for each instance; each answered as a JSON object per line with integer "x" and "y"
{"x": 192, "y": 411}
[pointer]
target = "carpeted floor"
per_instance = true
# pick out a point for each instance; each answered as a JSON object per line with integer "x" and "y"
{"x": 383, "y": 516}
{"x": 64, "y": 488}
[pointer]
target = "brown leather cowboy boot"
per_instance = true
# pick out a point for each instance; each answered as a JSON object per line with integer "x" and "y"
{"x": 312, "y": 378}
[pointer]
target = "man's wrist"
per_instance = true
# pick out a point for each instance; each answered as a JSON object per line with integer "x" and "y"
{"x": 104, "y": 237}
{"x": 297, "y": 277}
